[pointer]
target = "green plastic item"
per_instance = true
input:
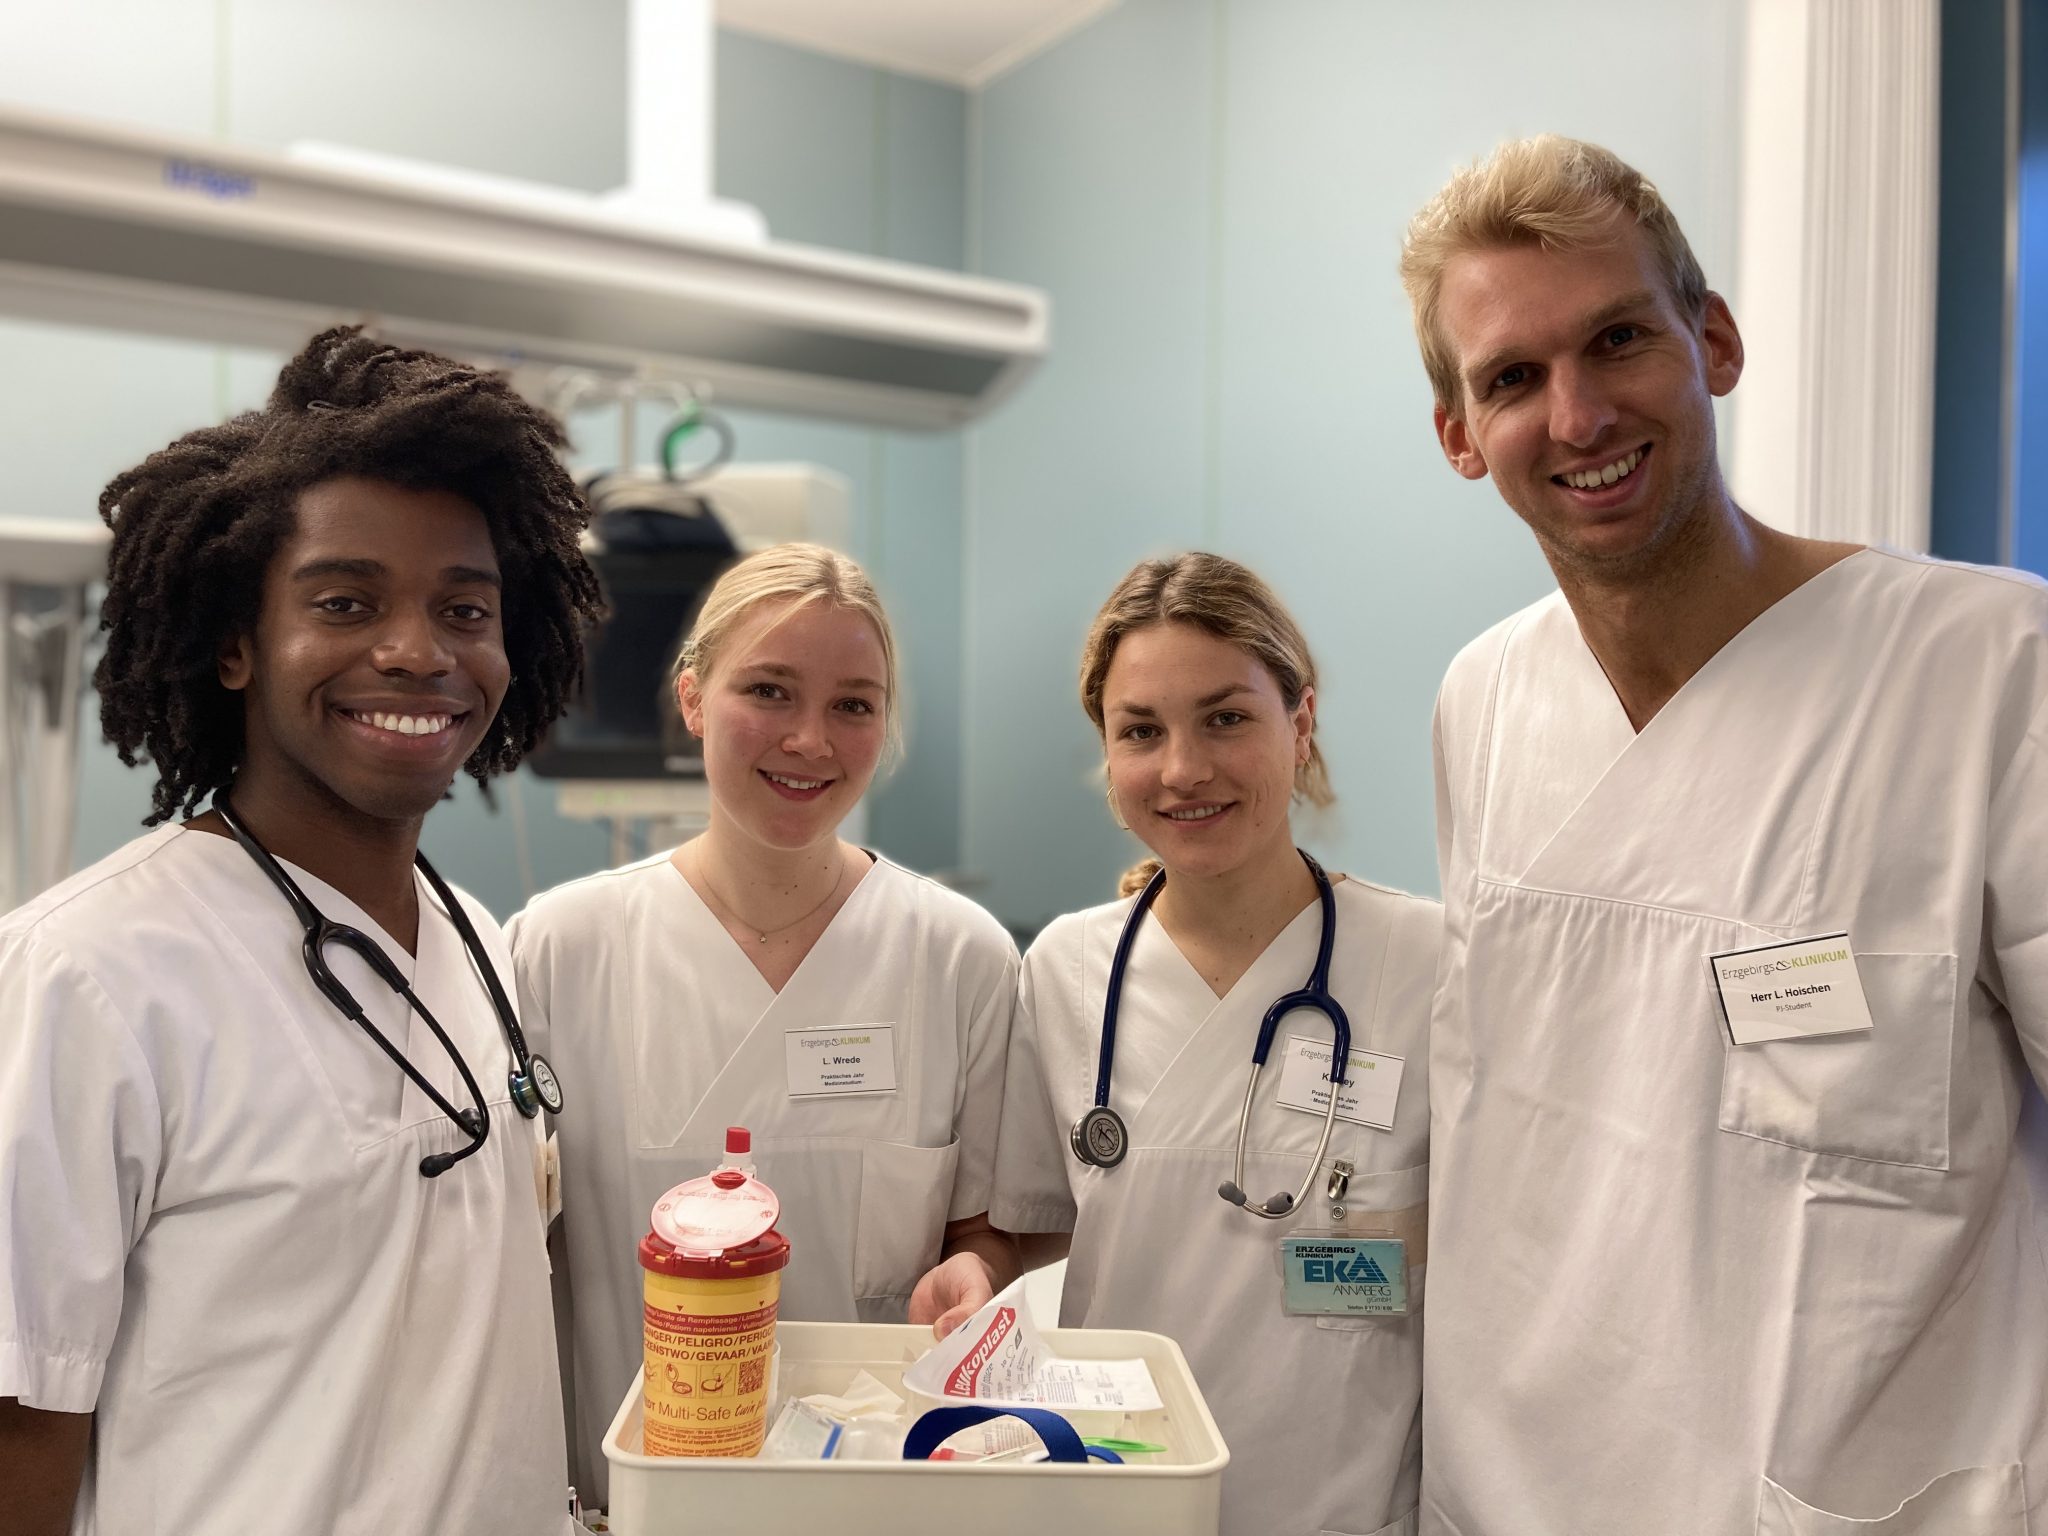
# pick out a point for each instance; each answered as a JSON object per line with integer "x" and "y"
{"x": 1123, "y": 1447}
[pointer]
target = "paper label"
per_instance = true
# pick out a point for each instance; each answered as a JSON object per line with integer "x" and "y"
{"x": 859, "y": 1058}
{"x": 1372, "y": 1083}
{"x": 1345, "y": 1276}
{"x": 704, "y": 1390}
{"x": 1792, "y": 991}
{"x": 801, "y": 1433}
{"x": 998, "y": 1357}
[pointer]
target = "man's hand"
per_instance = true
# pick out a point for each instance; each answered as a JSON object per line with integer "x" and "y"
{"x": 42, "y": 1461}
{"x": 952, "y": 1292}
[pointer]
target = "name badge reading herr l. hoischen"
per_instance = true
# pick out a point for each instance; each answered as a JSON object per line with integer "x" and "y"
{"x": 1793, "y": 991}
{"x": 854, "y": 1058}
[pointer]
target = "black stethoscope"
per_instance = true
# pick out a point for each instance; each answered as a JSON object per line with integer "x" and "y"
{"x": 1100, "y": 1137}
{"x": 533, "y": 1083}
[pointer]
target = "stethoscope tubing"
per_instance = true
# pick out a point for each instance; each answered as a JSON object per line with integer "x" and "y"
{"x": 474, "y": 1123}
{"x": 320, "y": 931}
{"x": 1315, "y": 996}
{"x": 1106, "y": 1054}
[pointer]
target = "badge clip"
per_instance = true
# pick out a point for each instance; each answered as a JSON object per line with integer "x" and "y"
{"x": 1338, "y": 1186}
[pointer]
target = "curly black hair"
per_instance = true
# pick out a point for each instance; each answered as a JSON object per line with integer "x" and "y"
{"x": 197, "y": 524}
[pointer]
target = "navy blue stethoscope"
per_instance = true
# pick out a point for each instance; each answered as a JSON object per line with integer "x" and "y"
{"x": 533, "y": 1083}
{"x": 1100, "y": 1138}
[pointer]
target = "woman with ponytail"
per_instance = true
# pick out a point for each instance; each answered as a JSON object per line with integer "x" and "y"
{"x": 1205, "y": 694}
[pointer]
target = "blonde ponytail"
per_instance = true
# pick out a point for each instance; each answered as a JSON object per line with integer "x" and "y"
{"x": 1137, "y": 877}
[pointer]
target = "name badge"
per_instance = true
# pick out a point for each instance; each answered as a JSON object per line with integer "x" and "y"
{"x": 1372, "y": 1083}
{"x": 1794, "y": 991}
{"x": 823, "y": 1063}
{"x": 1345, "y": 1276}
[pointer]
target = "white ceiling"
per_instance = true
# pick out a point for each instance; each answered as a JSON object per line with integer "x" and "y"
{"x": 962, "y": 42}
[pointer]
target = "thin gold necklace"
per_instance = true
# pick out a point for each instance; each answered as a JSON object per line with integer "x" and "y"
{"x": 727, "y": 912}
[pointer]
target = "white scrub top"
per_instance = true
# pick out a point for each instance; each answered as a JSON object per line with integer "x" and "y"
{"x": 1320, "y": 1412}
{"x": 218, "y": 1240}
{"x": 664, "y": 1034}
{"x": 1797, "y": 1287}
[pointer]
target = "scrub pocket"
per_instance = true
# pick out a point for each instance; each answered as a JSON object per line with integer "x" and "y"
{"x": 905, "y": 1193}
{"x": 1975, "y": 1501}
{"x": 1405, "y": 1526}
{"x": 1880, "y": 1095}
{"x": 819, "y": 1181}
{"x": 1395, "y": 1204}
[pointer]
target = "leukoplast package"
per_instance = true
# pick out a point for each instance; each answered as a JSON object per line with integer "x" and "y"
{"x": 998, "y": 1357}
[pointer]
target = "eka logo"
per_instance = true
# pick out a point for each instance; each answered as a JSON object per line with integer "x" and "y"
{"x": 1363, "y": 1269}
{"x": 968, "y": 1371}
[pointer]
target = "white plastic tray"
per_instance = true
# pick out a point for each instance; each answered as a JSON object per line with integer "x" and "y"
{"x": 1174, "y": 1494}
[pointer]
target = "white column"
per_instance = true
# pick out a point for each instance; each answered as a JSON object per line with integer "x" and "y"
{"x": 669, "y": 110}
{"x": 1834, "y": 419}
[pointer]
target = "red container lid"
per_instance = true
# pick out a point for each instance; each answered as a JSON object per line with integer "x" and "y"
{"x": 763, "y": 1256}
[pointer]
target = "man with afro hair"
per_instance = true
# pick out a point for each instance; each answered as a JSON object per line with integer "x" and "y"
{"x": 273, "y": 1259}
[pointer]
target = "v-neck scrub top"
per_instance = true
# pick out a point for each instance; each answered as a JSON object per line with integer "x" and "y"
{"x": 214, "y": 1232}
{"x": 664, "y": 1034}
{"x": 1797, "y": 1287}
{"x": 1321, "y": 1413}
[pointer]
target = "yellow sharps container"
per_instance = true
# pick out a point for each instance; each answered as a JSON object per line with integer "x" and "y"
{"x": 712, "y": 1272}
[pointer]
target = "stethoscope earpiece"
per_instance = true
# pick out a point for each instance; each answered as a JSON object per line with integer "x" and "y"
{"x": 1274, "y": 1208}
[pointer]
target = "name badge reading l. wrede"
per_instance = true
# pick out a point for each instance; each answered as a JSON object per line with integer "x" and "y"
{"x": 857, "y": 1058}
{"x": 1794, "y": 991}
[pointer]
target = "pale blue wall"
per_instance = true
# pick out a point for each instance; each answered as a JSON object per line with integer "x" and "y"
{"x": 1214, "y": 193}
{"x": 76, "y": 406}
{"x": 833, "y": 153}
{"x": 841, "y": 155}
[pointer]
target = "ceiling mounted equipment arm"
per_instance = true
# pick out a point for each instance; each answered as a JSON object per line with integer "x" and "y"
{"x": 113, "y": 227}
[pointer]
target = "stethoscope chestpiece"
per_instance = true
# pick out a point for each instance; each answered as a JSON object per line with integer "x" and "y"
{"x": 536, "y": 1088}
{"x": 1099, "y": 1137}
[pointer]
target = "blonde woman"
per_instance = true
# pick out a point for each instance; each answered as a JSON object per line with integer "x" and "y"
{"x": 1204, "y": 692}
{"x": 676, "y": 995}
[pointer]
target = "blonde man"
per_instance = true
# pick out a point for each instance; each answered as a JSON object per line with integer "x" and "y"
{"x": 1741, "y": 1159}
